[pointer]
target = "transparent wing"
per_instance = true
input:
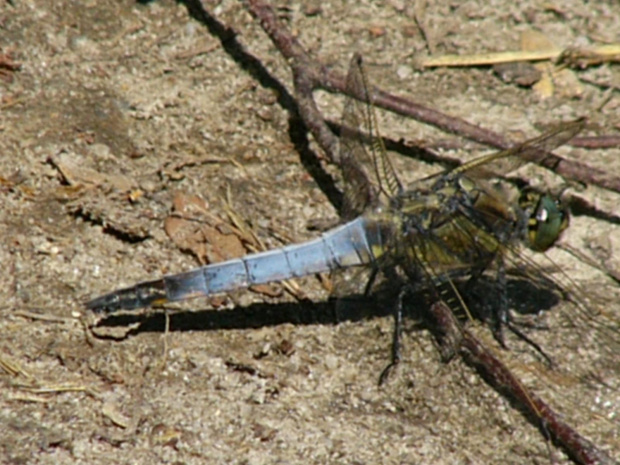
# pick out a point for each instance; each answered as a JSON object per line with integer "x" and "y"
{"x": 368, "y": 176}
{"x": 367, "y": 171}
{"x": 499, "y": 163}
{"x": 531, "y": 150}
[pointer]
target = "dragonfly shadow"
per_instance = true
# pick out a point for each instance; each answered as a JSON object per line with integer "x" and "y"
{"x": 483, "y": 301}
{"x": 525, "y": 297}
{"x": 259, "y": 315}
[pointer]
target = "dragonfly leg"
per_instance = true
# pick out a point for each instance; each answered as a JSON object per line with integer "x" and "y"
{"x": 371, "y": 281}
{"x": 503, "y": 318}
{"x": 398, "y": 323}
{"x": 517, "y": 332}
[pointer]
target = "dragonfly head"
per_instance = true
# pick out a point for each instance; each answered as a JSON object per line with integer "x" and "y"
{"x": 546, "y": 218}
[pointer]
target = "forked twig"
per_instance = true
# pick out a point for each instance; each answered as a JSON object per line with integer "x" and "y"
{"x": 309, "y": 75}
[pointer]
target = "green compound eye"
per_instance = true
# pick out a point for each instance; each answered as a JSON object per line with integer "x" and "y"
{"x": 546, "y": 221}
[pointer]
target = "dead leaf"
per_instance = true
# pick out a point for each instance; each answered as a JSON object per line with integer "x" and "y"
{"x": 193, "y": 229}
{"x": 544, "y": 88}
{"x": 562, "y": 82}
{"x": 110, "y": 410}
{"x": 74, "y": 173}
{"x": 269, "y": 290}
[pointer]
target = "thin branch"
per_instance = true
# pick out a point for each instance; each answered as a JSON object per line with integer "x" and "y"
{"x": 496, "y": 374}
{"x": 599, "y": 142}
{"x": 306, "y": 75}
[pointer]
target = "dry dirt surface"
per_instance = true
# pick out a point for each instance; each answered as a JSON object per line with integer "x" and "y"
{"x": 114, "y": 113}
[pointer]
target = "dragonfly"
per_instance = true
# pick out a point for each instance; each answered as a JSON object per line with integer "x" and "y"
{"x": 442, "y": 234}
{"x": 441, "y": 226}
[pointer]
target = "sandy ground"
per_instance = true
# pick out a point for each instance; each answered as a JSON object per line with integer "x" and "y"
{"x": 120, "y": 107}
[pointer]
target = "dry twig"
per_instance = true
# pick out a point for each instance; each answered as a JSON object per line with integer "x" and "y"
{"x": 495, "y": 373}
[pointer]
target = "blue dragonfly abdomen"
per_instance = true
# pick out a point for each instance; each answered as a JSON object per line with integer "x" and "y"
{"x": 358, "y": 242}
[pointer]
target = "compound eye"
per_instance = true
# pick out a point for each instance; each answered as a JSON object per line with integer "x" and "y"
{"x": 546, "y": 224}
